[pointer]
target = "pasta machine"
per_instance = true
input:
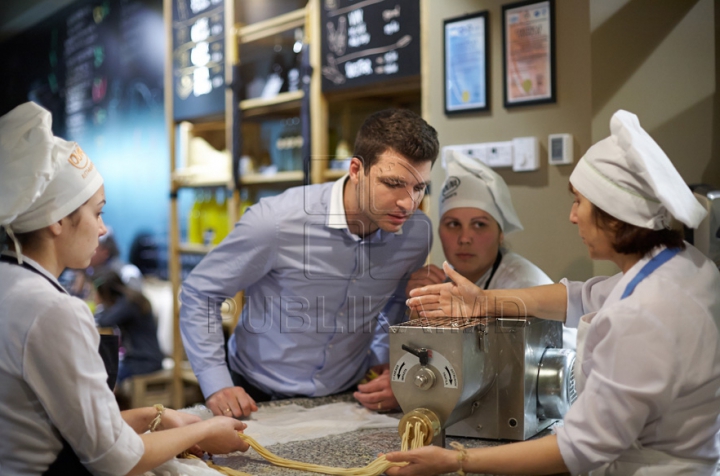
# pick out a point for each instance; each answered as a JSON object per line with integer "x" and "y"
{"x": 494, "y": 378}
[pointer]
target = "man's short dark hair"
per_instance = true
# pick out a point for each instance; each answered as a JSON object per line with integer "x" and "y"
{"x": 400, "y": 130}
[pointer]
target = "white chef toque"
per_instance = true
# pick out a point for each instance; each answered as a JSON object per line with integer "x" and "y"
{"x": 628, "y": 176}
{"x": 42, "y": 178}
{"x": 472, "y": 184}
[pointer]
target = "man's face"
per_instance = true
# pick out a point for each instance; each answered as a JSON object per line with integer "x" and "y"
{"x": 392, "y": 190}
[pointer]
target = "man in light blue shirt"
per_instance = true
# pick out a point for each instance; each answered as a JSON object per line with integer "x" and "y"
{"x": 324, "y": 269}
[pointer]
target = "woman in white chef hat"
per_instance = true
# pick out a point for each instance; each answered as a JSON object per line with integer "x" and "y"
{"x": 648, "y": 364}
{"x": 58, "y": 414}
{"x": 476, "y": 213}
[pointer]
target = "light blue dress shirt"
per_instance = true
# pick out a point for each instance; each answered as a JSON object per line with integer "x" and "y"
{"x": 318, "y": 299}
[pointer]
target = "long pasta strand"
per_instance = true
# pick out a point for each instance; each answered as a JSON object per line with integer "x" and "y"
{"x": 377, "y": 467}
{"x": 413, "y": 437}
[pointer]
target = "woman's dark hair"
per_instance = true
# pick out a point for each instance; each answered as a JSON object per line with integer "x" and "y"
{"x": 28, "y": 238}
{"x": 110, "y": 288}
{"x": 630, "y": 239}
{"x": 399, "y": 129}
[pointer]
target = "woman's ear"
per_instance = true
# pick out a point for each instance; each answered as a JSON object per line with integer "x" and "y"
{"x": 56, "y": 228}
{"x": 501, "y": 238}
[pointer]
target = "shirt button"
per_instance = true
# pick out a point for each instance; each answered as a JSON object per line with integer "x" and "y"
{"x": 341, "y": 314}
{"x": 330, "y": 346}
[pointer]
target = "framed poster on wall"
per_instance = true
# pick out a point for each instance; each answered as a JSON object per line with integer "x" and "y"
{"x": 529, "y": 53}
{"x": 466, "y": 63}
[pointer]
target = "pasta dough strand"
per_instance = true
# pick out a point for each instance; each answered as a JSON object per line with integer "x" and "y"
{"x": 377, "y": 467}
{"x": 413, "y": 437}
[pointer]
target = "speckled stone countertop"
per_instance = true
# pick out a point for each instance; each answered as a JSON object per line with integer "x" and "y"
{"x": 353, "y": 449}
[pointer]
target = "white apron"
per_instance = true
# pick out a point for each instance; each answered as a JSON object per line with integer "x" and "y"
{"x": 636, "y": 460}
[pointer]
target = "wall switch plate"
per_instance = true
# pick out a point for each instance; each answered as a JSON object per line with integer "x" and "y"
{"x": 475, "y": 151}
{"x": 560, "y": 149}
{"x": 499, "y": 154}
{"x": 525, "y": 154}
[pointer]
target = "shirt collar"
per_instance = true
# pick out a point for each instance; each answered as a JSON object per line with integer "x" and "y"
{"x": 628, "y": 276}
{"x": 336, "y": 215}
{"x": 35, "y": 265}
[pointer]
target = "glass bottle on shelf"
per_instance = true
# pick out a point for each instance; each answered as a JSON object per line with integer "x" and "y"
{"x": 282, "y": 149}
{"x": 277, "y": 76}
{"x": 293, "y": 76}
{"x": 296, "y": 143}
{"x": 210, "y": 219}
{"x": 195, "y": 230}
{"x": 222, "y": 226}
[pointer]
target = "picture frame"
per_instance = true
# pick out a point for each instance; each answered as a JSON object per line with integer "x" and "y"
{"x": 466, "y": 63}
{"x": 528, "y": 32}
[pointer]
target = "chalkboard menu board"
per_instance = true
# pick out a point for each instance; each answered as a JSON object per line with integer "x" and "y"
{"x": 98, "y": 66}
{"x": 198, "y": 31}
{"x": 364, "y": 42}
{"x": 88, "y": 63}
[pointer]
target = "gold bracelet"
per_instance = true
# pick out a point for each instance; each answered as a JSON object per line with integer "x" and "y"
{"x": 461, "y": 456}
{"x": 158, "y": 418}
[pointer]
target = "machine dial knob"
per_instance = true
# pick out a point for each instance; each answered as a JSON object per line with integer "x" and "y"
{"x": 425, "y": 378}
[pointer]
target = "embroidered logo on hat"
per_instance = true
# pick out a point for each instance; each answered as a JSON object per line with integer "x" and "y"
{"x": 451, "y": 185}
{"x": 78, "y": 158}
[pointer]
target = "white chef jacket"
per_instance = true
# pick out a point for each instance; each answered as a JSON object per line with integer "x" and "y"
{"x": 652, "y": 364}
{"x": 516, "y": 272}
{"x": 53, "y": 381}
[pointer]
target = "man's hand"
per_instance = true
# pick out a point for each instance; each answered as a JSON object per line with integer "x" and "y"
{"x": 377, "y": 394}
{"x": 231, "y": 402}
{"x": 425, "y": 276}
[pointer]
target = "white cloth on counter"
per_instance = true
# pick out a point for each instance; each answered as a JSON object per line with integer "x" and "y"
{"x": 272, "y": 425}
{"x": 652, "y": 367}
{"x": 183, "y": 467}
{"x": 275, "y": 425}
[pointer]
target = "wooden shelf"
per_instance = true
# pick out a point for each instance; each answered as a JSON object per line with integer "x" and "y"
{"x": 280, "y": 177}
{"x": 281, "y": 103}
{"x": 194, "y": 249}
{"x": 333, "y": 174}
{"x": 207, "y": 126}
{"x": 188, "y": 182}
{"x": 271, "y": 27}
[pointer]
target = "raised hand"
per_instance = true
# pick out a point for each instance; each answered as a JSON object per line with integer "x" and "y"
{"x": 425, "y": 276}
{"x": 459, "y": 298}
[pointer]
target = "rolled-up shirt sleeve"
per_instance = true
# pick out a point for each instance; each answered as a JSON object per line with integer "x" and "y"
{"x": 61, "y": 364}
{"x": 584, "y": 297}
{"x": 243, "y": 258}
